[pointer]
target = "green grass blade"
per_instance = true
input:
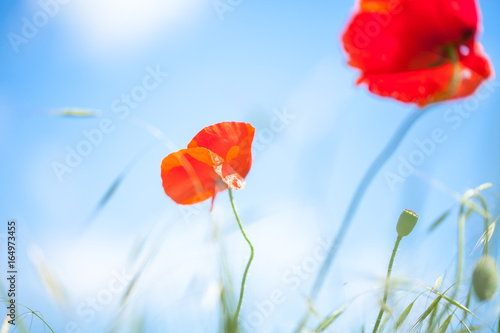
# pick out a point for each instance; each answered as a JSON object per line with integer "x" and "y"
{"x": 77, "y": 113}
{"x": 426, "y": 313}
{"x": 439, "y": 220}
{"x": 48, "y": 277}
{"x": 386, "y": 319}
{"x": 455, "y": 303}
{"x": 405, "y": 313}
{"x": 116, "y": 184}
{"x": 33, "y": 313}
{"x": 432, "y": 319}
{"x": 469, "y": 329}
{"x": 312, "y": 309}
{"x": 438, "y": 282}
{"x": 227, "y": 294}
{"x": 483, "y": 187}
{"x": 109, "y": 194}
{"x": 467, "y": 303}
{"x": 445, "y": 325}
{"x": 486, "y": 235}
{"x": 403, "y": 316}
{"x": 328, "y": 321}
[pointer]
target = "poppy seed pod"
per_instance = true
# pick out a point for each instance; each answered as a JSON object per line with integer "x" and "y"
{"x": 407, "y": 221}
{"x": 485, "y": 278}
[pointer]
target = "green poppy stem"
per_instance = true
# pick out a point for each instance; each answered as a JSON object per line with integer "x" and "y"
{"x": 242, "y": 290}
{"x": 387, "y": 283}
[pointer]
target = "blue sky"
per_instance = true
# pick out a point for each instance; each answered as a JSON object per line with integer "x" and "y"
{"x": 259, "y": 61}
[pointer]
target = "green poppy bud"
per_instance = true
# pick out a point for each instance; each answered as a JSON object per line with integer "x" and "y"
{"x": 485, "y": 278}
{"x": 406, "y": 222}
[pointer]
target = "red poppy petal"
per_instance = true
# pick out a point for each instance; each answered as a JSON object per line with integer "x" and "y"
{"x": 406, "y": 49}
{"x": 433, "y": 84}
{"x": 445, "y": 20}
{"x": 231, "y": 140}
{"x": 378, "y": 5}
{"x": 389, "y": 37}
{"x": 475, "y": 67}
{"x": 239, "y": 157}
{"x": 231, "y": 178}
{"x": 373, "y": 48}
{"x": 470, "y": 78}
{"x": 189, "y": 175}
{"x": 418, "y": 87}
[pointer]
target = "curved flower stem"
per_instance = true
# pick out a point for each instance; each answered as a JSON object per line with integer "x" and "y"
{"x": 365, "y": 182}
{"x": 249, "y": 260}
{"x": 387, "y": 282}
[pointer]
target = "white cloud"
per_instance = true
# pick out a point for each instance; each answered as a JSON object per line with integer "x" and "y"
{"x": 115, "y": 26}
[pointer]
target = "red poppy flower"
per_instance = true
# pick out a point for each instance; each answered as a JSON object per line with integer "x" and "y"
{"x": 219, "y": 157}
{"x": 417, "y": 51}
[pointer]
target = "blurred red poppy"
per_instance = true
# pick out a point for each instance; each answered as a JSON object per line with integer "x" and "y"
{"x": 417, "y": 51}
{"x": 219, "y": 157}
